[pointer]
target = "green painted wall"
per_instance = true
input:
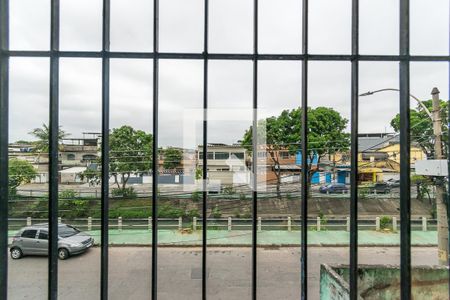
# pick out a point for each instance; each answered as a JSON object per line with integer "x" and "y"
{"x": 383, "y": 282}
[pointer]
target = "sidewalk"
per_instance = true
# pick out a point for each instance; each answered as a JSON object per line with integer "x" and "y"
{"x": 265, "y": 238}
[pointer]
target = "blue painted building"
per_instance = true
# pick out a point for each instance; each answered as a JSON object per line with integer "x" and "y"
{"x": 318, "y": 177}
{"x": 322, "y": 177}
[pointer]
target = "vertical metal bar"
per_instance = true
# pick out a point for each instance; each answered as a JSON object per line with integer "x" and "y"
{"x": 205, "y": 149}
{"x": 405, "y": 182}
{"x": 448, "y": 164}
{"x": 304, "y": 150}
{"x": 448, "y": 180}
{"x": 155, "y": 151}
{"x": 105, "y": 150}
{"x": 4, "y": 111}
{"x": 255, "y": 152}
{"x": 53, "y": 153}
{"x": 448, "y": 168}
{"x": 354, "y": 154}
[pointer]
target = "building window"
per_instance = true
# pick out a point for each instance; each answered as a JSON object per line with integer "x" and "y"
{"x": 88, "y": 157}
{"x": 221, "y": 155}
{"x": 210, "y": 155}
{"x": 239, "y": 155}
{"x": 71, "y": 156}
{"x": 284, "y": 154}
{"x": 262, "y": 154}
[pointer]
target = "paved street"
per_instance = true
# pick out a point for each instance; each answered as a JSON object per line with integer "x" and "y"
{"x": 229, "y": 274}
{"x": 237, "y": 238}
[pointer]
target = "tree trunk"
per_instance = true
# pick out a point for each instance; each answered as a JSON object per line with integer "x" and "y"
{"x": 278, "y": 174}
{"x": 125, "y": 178}
{"x": 116, "y": 181}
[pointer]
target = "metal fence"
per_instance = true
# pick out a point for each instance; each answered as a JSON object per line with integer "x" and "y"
{"x": 233, "y": 223}
{"x": 404, "y": 58}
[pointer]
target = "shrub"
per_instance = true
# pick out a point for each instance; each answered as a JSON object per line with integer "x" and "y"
{"x": 74, "y": 208}
{"x": 385, "y": 222}
{"x": 216, "y": 213}
{"x": 363, "y": 192}
{"x": 67, "y": 194}
{"x": 242, "y": 197}
{"x": 127, "y": 192}
{"x": 192, "y": 213}
{"x": 40, "y": 208}
{"x": 168, "y": 211}
{"x": 247, "y": 214}
{"x": 195, "y": 196}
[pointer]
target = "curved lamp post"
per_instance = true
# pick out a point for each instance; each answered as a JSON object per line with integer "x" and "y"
{"x": 441, "y": 209}
{"x": 369, "y": 93}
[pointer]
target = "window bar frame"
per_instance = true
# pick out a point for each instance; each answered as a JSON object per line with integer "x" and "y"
{"x": 205, "y": 150}
{"x": 230, "y": 56}
{"x": 354, "y": 153}
{"x": 448, "y": 163}
{"x": 448, "y": 172}
{"x": 154, "y": 287}
{"x": 54, "y": 54}
{"x": 255, "y": 156}
{"x": 53, "y": 152}
{"x": 106, "y": 20}
{"x": 405, "y": 152}
{"x": 304, "y": 149}
{"x": 4, "y": 136}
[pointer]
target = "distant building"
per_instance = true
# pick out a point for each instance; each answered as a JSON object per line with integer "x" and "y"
{"x": 75, "y": 154}
{"x": 80, "y": 151}
{"x": 226, "y": 164}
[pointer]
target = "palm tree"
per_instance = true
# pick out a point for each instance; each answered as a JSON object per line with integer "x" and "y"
{"x": 43, "y": 135}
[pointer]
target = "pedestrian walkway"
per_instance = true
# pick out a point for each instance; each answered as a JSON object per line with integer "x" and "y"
{"x": 265, "y": 238}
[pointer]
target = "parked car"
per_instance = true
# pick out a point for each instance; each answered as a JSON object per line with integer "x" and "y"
{"x": 393, "y": 183}
{"x": 333, "y": 188}
{"x": 33, "y": 240}
{"x": 379, "y": 188}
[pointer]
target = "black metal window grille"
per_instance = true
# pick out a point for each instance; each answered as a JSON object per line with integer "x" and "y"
{"x": 404, "y": 58}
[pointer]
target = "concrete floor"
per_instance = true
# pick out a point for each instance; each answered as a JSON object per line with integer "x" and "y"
{"x": 179, "y": 276}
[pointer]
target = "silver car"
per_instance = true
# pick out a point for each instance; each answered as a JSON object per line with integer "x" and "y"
{"x": 33, "y": 240}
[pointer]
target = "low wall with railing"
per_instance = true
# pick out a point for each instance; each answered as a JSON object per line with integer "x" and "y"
{"x": 230, "y": 223}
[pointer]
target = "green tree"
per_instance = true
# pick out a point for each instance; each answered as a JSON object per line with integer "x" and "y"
{"x": 42, "y": 135}
{"x": 91, "y": 175}
{"x": 326, "y": 136}
{"x": 422, "y": 134}
{"x": 172, "y": 158}
{"x": 130, "y": 153}
{"x": 19, "y": 172}
{"x": 422, "y": 127}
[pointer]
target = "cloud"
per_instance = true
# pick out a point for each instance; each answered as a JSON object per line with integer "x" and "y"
{"x": 230, "y": 82}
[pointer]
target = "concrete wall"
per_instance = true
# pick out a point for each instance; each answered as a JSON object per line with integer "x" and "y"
{"x": 332, "y": 285}
{"x": 383, "y": 282}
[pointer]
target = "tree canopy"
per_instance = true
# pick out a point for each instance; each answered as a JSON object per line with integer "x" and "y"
{"x": 130, "y": 153}
{"x": 172, "y": 158}
{"x": 422, "y": 127}
{"x": 19, "y": 172}
{"x": 325, "y": 134}
{"x": 42, "y": 134}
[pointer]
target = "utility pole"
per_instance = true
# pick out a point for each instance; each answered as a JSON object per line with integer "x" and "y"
{"x": 441, "y": 209}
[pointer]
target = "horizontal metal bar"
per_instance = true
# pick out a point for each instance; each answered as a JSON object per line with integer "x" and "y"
{"x": 228, "y": 56}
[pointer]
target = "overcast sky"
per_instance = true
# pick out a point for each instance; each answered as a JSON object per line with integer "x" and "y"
{"x": 230, "y": 82}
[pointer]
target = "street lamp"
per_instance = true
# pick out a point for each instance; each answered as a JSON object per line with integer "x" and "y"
{"x": 441, "y": 209}
{"x": 369, "y": 93}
